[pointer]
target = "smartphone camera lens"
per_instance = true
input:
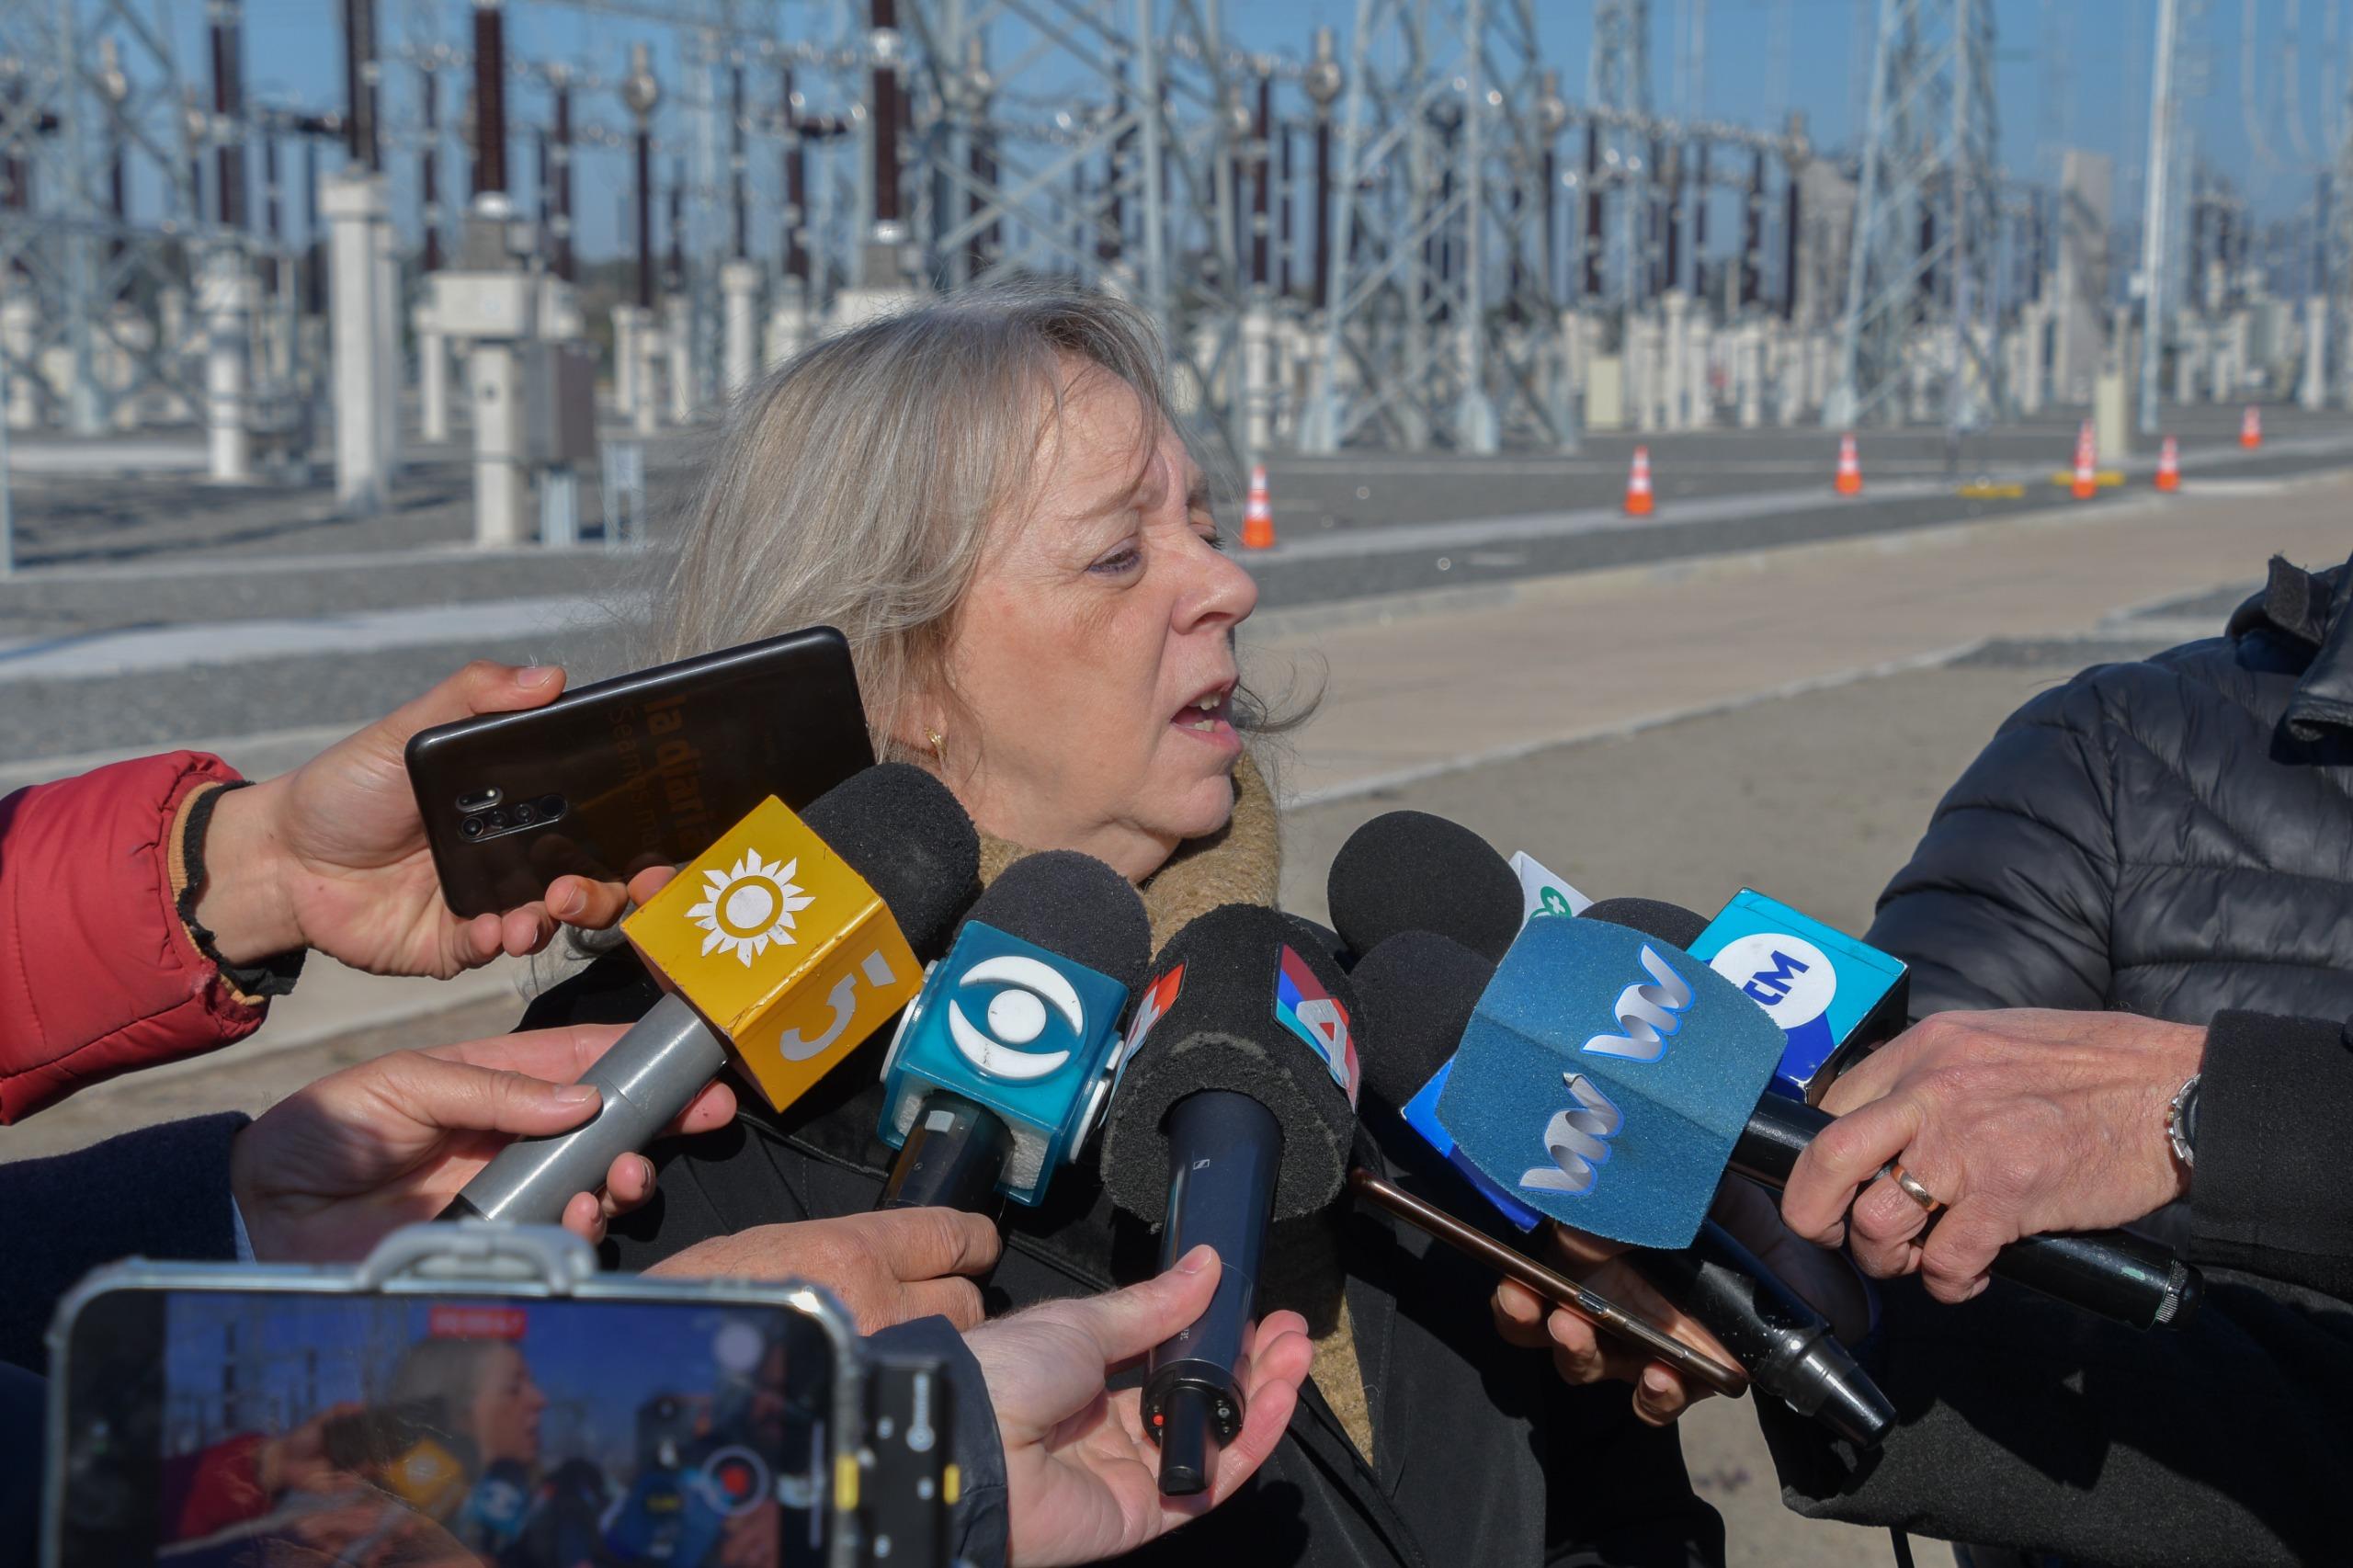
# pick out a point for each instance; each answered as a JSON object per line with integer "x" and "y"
{"x": 478, "y": 800}
{"x": 471, "y": 827}
{"x": 525, "y": 814}
{"x": 496, "y": 819}
{"x": 552, "y": 807}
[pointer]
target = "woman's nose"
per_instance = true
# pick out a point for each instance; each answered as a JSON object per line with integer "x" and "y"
{"x": 1221, "y": 594}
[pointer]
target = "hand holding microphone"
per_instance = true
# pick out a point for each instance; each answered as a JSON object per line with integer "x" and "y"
{"x": 1237, "y": 1108}
{"x": 2014, "y": 1123}
{"x": 788, "y": 942}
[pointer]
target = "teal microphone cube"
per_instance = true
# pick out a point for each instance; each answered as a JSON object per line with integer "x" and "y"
{"x": 1834, "y": 998}
{"x": 1013, "y": 1027}
{"x": 1604, "y": 1079}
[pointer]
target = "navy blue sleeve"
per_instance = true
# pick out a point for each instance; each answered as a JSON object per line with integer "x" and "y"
{"x": 161, "y": 1192}
{"x": 980, "y": 1515}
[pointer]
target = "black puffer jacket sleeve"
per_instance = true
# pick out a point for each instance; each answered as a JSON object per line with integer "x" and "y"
{"x": 2267, "y": 1193}
{"x": 2006, "y": 900}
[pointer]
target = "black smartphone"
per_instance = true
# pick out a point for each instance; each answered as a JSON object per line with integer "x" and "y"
{"x": 644, "y": 770}
{"x": 200, "y": 1422}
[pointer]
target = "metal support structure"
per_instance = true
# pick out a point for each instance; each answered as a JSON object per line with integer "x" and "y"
{"x": 1929, "y": 168}
{"x": 2156, "y": 297}
{"x": 1442, "y": 330}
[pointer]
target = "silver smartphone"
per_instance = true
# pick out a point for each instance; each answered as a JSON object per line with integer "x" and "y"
{"x": 475, "y": 1395}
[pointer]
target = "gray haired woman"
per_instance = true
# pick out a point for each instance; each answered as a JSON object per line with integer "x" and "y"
{"x": 989, "y": 496}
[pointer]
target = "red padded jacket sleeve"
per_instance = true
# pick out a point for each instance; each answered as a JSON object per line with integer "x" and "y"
{"x": 98, "y": 973}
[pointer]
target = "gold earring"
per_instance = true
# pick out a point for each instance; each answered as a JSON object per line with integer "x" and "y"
{"x": 937, "y": 755}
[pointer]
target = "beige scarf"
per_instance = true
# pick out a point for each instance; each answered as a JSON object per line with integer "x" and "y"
{"x": 1240, "y": 863}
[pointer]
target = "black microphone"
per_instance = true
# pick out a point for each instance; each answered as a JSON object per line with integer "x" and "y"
{"x": 1238, "y": 1108}
{"x": 1413, "y": 872}
{"x": 1003, "y": 1061}
{"x": 1423, "y": 987}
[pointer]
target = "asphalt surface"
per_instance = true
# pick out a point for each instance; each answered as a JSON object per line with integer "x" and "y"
{"x": 122, "y": 554}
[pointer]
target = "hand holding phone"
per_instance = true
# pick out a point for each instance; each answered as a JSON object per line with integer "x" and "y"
{"x": 334, "y": 856}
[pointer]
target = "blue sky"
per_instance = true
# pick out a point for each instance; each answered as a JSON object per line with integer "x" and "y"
{"x": 2069, "y": 72}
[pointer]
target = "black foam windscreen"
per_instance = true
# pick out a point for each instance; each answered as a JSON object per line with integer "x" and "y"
{"x": 1412, "y": 872}
{"x": 1651, "y": 916}
{"x": 1234, "y": 1023}
{"x": 1423, "y": 987}
{"x": 899, "y": 828}
{"x": 1074, "y": 905}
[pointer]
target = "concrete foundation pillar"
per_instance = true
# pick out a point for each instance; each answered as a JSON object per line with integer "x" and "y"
{"x": 226, "y": 299}
{"x": 21, "y": 329}
{"x": 1642, "y": 376}
{"x": 1817, "y": 369}
{"x": 678, "y": 337}
{"x": 2032, "y": 359}
{"x": 1700, "y": 385}
{"x": 502, "y": 476}
{"x": 1258, "y": 376}
{"x": 1605, "y": 392}
{"x": 354, "y": 207}
{"x": 856, "y": 307}
{"x": 1673, "y": 388}
{"x": 628, "y": 377}
{"x": 2312, "y": 392}
{"x": 2188, "y": 350}
{"x": 432, "y": 379}
{"x": 788, "y": 326}
{"x": 2111, "y": 426}
{"x": 739, "y": 288}
{"x": 391, "y": 363}
{"x": 1748, "y": 375}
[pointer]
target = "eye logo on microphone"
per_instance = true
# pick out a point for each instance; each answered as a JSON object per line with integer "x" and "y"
{"x": 749, "y": 906}
{"x": 1647, "y": 1013}
{"x": 1033, "y": 994}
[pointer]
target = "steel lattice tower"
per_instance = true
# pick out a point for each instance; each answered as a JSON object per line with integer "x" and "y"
{"x": 1920, "y": 273}
{"x": 1619, "y": 89}
{"x": 1442, "y": 324}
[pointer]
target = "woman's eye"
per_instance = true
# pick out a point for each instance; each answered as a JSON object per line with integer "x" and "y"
{"x": 1119, "y": 560}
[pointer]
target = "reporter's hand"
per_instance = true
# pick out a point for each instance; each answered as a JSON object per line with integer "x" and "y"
{"x": 2021, "y": 1122}
{"x": 330, "y": 1170}
{"x": 1082, "y": 1479}
{"x": 333, "y": 855}
{"x": 1583, "y": 1354}
{"x": 889, "y": 1267}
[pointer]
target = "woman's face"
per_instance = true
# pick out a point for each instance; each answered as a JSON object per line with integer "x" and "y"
{"x": 507, "y": 1409}
{"x": 1094, "y": 653}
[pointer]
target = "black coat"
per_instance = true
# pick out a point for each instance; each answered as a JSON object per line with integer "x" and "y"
{"x": 1483, "y": 1454}
{"x": 2172, "y": 837}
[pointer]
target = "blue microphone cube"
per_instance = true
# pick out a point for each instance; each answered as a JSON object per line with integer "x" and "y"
{"x": 1015, "y": 1027}
{"x": 1421, "y": 1115}
{"x": 1834, "y": 997}
{"x": 1604, "y": 1079}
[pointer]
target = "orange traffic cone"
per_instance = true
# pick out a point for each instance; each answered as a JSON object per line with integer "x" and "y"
{"x": 2251, "y": 428}
{"x": 2087, "y": 482}
{"x": 1638, "y": 484}
{"x": 1258, "y": 513}
{"x": 2169, "y": 466}
{"x": 1850, "y": 470}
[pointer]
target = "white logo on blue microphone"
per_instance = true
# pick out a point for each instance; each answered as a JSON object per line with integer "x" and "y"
{"x": 1786, "y": 975}
{"x": 1017, "y": 1015}
{"x": 1648, "y": 1014}
{"x": 1577, "y": 1140}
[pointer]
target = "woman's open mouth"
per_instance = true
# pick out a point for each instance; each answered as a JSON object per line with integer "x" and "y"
{"x": 1209, "y": 717}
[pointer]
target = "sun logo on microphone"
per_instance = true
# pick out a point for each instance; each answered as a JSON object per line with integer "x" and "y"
{"x": 749, "y": 906}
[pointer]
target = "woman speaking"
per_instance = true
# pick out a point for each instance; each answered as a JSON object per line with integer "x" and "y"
{"x": 988, "y": 496}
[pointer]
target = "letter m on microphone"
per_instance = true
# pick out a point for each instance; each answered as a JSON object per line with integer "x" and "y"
{"x": 1604, "y": 1077}
{"x": 781, "y": 947}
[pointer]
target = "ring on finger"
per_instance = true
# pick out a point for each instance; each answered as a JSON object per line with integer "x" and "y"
{"x": 1913, "y": 1188}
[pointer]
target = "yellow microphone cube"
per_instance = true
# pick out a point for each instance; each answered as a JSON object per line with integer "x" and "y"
{"x": 782, "y": 948}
